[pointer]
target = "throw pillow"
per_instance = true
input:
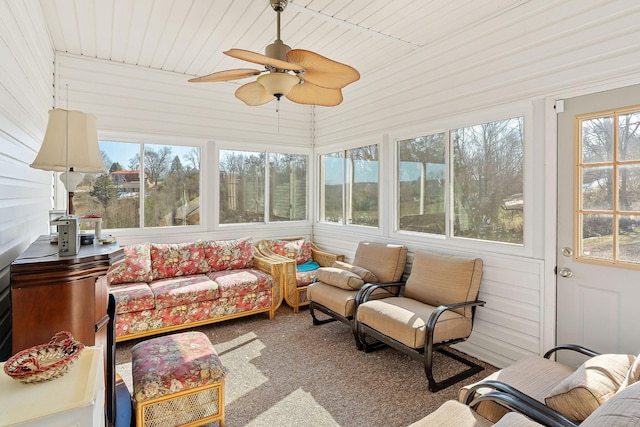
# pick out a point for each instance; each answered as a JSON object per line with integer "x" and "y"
{"x": 595, "y": 381}
{"x": 342, "y": 279}
{"x": 177, "y": 259}
{"x": 298, "y": 250}
{"x": 136, "y": 266}
{"x": 364, "y": 274}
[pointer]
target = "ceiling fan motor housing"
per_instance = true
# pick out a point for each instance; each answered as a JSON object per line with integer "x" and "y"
{"x": 277, "y": 50}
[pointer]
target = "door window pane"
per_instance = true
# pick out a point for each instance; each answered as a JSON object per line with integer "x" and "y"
{"x": 287, "y": 187}
{"x": 242, "y": 185}
{"x": 609, "y": 205}
{"x": 488, "y": 181}
{"x": 422, "y": 184}
{"x": 597, "y": 188}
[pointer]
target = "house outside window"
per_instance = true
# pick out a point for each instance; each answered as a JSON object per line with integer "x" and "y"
{"x": 169, "y": 186}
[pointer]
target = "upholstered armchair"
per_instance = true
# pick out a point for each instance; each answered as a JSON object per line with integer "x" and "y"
{"x": 436, "y": 308}
{"x": 337, "y": 287}
{"x": 302, "y": 258}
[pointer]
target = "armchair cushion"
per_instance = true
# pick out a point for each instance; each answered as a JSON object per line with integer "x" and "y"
{"x": 438, "y": 279}
{"x": 633, "y": 375}
{"x": 405, "y": 320}
{"x": 385, "y": 260}
{"x": 364, "y": 274}
{"x": 343, "y": 279}
{"x": 595, "y": 381}
{"x": 297, "y": 250}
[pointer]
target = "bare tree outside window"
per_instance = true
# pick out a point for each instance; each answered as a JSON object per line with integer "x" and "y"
{"x": 422, "y": 184}
{"x": 488, "y": 181}
{"x": 242, "y": 186}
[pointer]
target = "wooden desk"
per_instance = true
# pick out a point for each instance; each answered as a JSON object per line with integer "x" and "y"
{"x": 51, "y": 293}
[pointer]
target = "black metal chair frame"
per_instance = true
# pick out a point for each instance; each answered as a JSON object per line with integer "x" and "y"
{"x": 515, "y": 400}
{"x": 350, "y": 320}
{"x": 425, "y": 353}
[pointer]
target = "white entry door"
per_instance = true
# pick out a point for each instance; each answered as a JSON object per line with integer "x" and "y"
{"x": 598, "y": 285}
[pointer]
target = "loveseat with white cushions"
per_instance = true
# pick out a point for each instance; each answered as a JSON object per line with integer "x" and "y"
{"x": 166, "y": 287}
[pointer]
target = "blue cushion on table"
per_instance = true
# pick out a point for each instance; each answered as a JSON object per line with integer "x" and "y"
{"x": 308, "y": 266}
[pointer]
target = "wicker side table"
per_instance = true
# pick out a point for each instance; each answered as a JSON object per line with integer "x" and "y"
{"x": 177, "y": 380}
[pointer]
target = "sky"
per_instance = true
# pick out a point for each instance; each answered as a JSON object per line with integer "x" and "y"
{"x": 123, "y": 152}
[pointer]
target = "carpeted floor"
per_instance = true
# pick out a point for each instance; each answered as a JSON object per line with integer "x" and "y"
{"x": 287, "y": 372}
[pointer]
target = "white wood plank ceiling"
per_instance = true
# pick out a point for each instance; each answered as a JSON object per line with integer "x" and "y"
{"x": 189, "y": 36}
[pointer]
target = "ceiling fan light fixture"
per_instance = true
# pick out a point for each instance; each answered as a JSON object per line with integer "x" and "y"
{"x": 278, "y": 84}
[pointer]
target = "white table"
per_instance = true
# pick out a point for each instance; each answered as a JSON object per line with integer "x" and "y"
{"x": 74, "y": 399}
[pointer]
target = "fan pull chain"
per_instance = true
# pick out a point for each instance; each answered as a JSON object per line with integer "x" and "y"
{"x": 278, "y": 112}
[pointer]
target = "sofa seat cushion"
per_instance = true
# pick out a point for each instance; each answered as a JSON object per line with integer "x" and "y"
{"x": 177, "y": 259}
{"x": 184, "y": 290}
{"x": 241, "y": 282}
{"x": 136, "y": 266}
{"x": 303, "y": 278}
{"x": 131, "y": 297}
{"x": 228, "y": 254}
{"x": 405, "y": 320}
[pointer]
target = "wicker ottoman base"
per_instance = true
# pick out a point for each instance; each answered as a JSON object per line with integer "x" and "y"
{"x": 178, "y": 380}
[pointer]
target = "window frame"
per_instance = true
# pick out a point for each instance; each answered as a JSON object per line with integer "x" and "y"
{"x": 317, "y": 179}
{"x": 145, "y": 232}
{"x": 532, "y": 196}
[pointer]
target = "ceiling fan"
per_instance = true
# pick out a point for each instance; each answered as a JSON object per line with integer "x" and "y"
{"x": 299, "y": 75}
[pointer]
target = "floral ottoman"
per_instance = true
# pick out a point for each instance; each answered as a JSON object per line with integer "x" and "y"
{"x": 177, "y": 380}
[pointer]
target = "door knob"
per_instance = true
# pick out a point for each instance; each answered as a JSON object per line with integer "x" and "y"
{"x": 565, "y": 272}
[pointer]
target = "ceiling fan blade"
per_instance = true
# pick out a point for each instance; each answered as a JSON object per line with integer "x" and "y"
{"x": 323, "y": 71}
{"x": 220, "y": 76}
{"x": 253, "y": 94}
{"x": 309, "y": 93}
{"x": 258, "y": 58}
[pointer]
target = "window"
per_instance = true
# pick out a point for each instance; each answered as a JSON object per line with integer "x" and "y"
{"x": 608, "y": 174}
{"x": 169, "y": 186}
{"x": 287, "y": 187}
{"x": 422, "y": 184}
{"x": 350, "y": 186}
{"x": 488, "y": 179}
{"x": 486, "y": 186}
{"x": 243, "y": 175}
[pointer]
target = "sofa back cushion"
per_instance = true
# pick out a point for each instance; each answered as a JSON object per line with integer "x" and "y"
{"x": 592, "y": 384}
{"x": 438, "y": 279}
{"x": 386, "y": 261}
{"x": 228, "y": 254}
{"x": 177, "y": 259}
{"x": 136, "y": 266}
{"x": 298, "y": 250}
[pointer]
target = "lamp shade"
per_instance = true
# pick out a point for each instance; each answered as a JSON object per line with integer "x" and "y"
{"x": 278, "y": 84}
{"x": 75, "y": 131}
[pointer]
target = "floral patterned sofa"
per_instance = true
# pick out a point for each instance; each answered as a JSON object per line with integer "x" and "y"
{"x": 166, "y": 287}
